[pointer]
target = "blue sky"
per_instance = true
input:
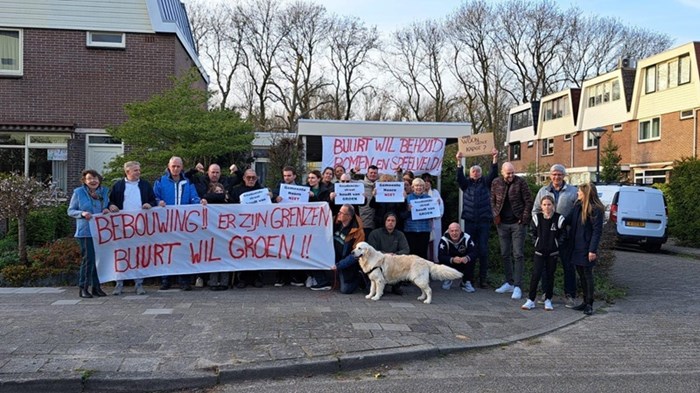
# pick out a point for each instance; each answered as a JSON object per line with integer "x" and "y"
{"x": 677, "y": 18}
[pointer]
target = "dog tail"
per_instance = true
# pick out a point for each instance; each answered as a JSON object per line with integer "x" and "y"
{"x": 442, "y": 272}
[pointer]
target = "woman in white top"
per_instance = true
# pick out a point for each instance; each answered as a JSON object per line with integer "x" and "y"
{"x": 437, "y": 231}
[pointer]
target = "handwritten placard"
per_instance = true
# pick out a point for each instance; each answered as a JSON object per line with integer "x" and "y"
{"x": 418, "y": 155}
{"x": 476, "y": 145}
{"x": 291, "y": 193}
{"x": 423, "y": 208}
{"x": 261, "y": 196}
{"x": 350, "y": 193}
{"x": 389, "y": 192}
{"x": 198, "y": 239}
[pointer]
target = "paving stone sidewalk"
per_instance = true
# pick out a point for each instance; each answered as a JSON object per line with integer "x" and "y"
{"x": 51, "y": 338}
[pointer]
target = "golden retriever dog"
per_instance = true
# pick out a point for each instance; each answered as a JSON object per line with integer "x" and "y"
{"x": 385, "y": 269}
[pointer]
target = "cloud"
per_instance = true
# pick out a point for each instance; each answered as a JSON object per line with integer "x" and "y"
{"x": 691, "y": 3}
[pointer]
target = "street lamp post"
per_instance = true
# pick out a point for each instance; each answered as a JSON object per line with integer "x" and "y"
{"x": 597, "y": 134}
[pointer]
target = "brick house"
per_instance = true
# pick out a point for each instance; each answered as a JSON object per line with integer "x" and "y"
{"x": 68, "y": 68}
{"x": 650, "y": 112}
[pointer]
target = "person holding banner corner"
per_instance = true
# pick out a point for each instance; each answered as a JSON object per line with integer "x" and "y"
{"x": 91, "y": 198}
{"x": 132, "y": 194}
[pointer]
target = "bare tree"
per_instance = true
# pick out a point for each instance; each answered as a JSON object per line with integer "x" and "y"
{"x": 478, "y": 67}
{"x": 218, "y": 36}
{"x": 306, "y": 26}
{"x": 593, "y": 44}
{"x": 417, "y": 62}
{"x": 351, "y": 43}
{"x": 263, "y": 34}
{"x": 639, "y": 43}
{"x": 533, "y": 33}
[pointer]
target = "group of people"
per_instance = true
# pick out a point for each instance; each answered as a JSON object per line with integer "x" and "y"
{"x": 565, "y": 222}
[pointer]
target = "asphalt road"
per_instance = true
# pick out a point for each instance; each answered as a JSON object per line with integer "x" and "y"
{"x": 647, "y": 342}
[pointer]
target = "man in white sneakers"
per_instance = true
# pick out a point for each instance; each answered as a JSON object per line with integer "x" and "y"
{"x": 458, "y": 251}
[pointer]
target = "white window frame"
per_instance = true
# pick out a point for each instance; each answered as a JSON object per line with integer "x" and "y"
{"x": 650, "y": 122}
{"x": 20, "y": 58}
{"x": 686, "y": 114}
{"x": 547, "y": 147}
{"x": 617, "y": 127}
{"x": 567, "y": 137}
{"x": 89, "y": 41}
{"x": 589, "y": 142}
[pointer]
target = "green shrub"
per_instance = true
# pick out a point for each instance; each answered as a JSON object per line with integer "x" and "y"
{"x": 44, "y": 225}
{"x": 8, "y": 258}
{"x": 8, "y": 243}
{"x": 684, "y": 202}
{"x": 61, "y": 254}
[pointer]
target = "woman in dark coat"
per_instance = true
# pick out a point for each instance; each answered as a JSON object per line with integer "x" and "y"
{"x": 586, "y": 228}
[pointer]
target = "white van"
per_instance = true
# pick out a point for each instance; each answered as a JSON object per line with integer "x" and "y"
{"x": 640, "y": 216}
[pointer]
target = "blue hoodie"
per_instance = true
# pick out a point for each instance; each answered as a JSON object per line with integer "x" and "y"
{"x": 181, "y": 192}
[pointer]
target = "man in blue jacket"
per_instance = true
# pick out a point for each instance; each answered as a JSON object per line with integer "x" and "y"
{"x": 476, "y": 209}
{"x": 174, "y": 189}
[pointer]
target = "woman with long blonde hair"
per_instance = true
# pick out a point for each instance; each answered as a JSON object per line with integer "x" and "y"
{"x": 586, "y": 229}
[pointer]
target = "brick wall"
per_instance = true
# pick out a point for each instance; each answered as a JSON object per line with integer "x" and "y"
{"x": 66, "y": 82}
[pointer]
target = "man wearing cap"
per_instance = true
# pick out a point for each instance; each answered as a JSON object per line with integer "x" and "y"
{"x": 565, "y": 196}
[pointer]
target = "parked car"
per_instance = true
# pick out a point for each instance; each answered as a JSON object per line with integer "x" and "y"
{"x": 640, "y": 216}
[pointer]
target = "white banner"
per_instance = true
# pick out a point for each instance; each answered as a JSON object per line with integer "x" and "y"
{"x": 261, "y": 196}
{"x": 423, "y": 208}
{"x": 418, "y": 155}
{"x": 291, "y": 193}
{"x": 350, "y": 193}
{"x": 389, "y": 191}
{"x": 192, "y": 239}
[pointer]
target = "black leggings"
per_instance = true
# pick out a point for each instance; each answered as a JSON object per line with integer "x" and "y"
{"x": 543, "y": 267}
{"x": 585, "y": 275}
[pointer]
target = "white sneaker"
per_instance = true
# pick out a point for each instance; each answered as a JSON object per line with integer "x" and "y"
{"x": 467, "y": 287}
{"x": 118, "y": 289}
{"x": 548, "y": 305}
{"x": 505, "y": 288}
{"x": 529, "y": 305}
{"x": 199, "y": 283}
{"x": 310, "y": 282}
{"x": 517, "y": 293}
{"x": 447, "y": 284}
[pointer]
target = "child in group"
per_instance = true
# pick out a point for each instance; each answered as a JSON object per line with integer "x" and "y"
{"x": 547, "y": 230}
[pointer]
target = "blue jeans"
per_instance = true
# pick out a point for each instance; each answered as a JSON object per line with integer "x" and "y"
{"x": 87, "y": 276}
{"x": 512, "y": 239}
{"x": 479, "y": 232}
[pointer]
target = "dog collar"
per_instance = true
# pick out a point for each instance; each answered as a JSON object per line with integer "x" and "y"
{"x": 375, "y": 268}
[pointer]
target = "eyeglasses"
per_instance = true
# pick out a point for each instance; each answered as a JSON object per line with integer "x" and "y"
{"x": 345, "y": 181}
{"x": 251, "y": 177}
{"x": 343, "y": 213}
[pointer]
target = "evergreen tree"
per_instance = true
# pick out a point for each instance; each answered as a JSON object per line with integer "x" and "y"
{"x": 610, "y": 162}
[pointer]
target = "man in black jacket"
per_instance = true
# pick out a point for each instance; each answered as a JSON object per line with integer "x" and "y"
{"x": 131, "y": 193}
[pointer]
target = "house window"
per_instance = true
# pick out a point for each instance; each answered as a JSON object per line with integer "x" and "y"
{"x": 617, "y": 127}
{"x": 11, "y": 52}
{"x": 650, "y": 129}
{"x": 687, "y": 114}
{"x": 567, "y": 137}
{"x": 547, "y": 146}
{"x": 520, "y": 120}
{"x": 603, "y": 92}
{"x": 667, "y": 75}
{"x": 591, "y": 141}
{"x": 650, "y": 177}
{"x": 106, "y": 39}
{"x": 650, "y": 80}
{"x": 514, "y": 151}
{"x": 556, "y": 108}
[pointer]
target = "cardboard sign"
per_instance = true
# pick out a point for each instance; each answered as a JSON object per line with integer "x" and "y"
{"x": 389, "y": 192}
{"x": 291, "y": 193}
{"x": 476, "y": 145}
{"x": 349, "y": 193}
{"x": 261, "y": 196}
{"x": 195, "y": 239}
{"x": 424, "y": 208}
